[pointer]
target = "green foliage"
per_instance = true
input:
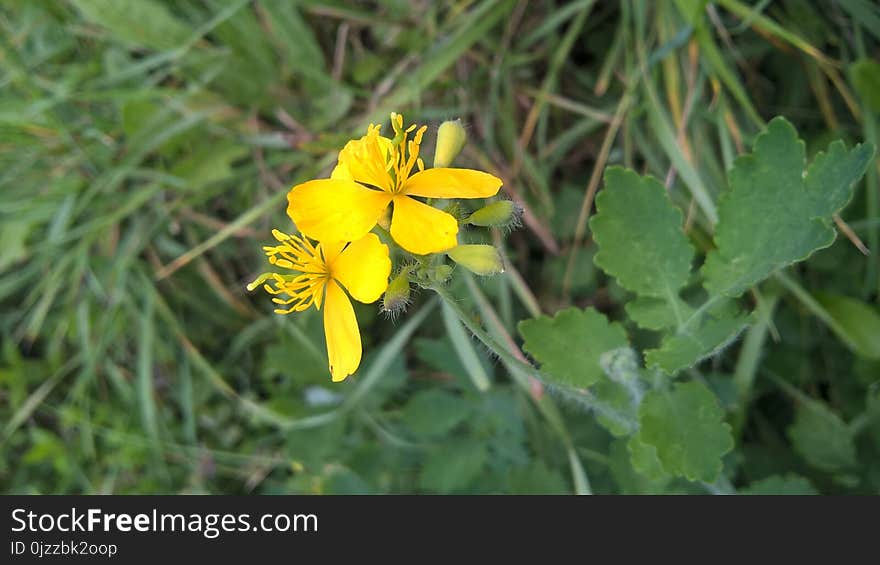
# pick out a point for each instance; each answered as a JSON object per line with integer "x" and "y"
{"x": 775, "y": 214}
{"x": 866, "y": 79}
{"x": 143, "y": 24}
{"x": 822, "y": 438}
{"x": 451, "y": 467}
{"x": 776, "y": 485}
{"x": 640, "y": 238}
{"x": 857, "y": 324}
{"x": 685, "y": 426}
{"x": 147, "y": 146}
{"x": 679, "y": 351}
{"x": 569, "y": 344}
{"x": 434, "y": 412}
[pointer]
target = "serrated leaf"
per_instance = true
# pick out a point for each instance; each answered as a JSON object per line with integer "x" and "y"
{"x": 629, "y": 479}
{"x": 434, "y": 412}
{"x": 822, "y": 438}
{"x": 832, "y": 175}
{"x": 657, "y": 314}
{"x": 685, "y": 425}
{"x": 780, "y": 484}
{"x": 569, "y": 345}
{"x": 644, "y": 460}
{"x": 773, "y": 216}
{"x": 858, "y": 324}
{"x": 679, "y": 351}
{"x": 639, "y": 235}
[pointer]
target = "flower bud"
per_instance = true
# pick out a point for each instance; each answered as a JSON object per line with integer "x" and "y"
{"x": 397, "y": 294}
{"x": 450, "y": 139}
{"x": 477, "y": 258}
{"x": 500, "y": 213}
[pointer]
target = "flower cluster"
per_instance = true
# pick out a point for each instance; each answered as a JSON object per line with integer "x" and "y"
{"x": 377, "y": 186}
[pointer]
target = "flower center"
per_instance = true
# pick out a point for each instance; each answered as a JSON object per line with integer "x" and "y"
{"x": 302, "y": 289}
{"x": 404, "y": 154}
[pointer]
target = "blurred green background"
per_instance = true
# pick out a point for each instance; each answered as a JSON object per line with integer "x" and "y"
{"x": 145, "y": 151}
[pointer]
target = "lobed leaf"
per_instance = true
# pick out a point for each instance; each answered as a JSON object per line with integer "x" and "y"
{"x": 638, "y": 231}
{"x": 679, "y": 351}
{"x": 775, "y": 215}
{"x": 685, "y": 425}
{"x": 569, "y": 345}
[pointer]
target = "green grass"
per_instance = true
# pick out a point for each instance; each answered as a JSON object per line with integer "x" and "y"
{"x": 146, "y": 149}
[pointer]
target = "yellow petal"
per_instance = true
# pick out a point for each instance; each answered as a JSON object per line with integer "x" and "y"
{"x": 331, "y": 250}
{"x": 365, "y": 160}
{"x": 363, "y": 268}
{"x": 341, "y": 331}
{"x": 452, "y": 183}
{"x": 335, "y": 209}
{"x": 421, "y": 229}
{"x": 341, "y": 172}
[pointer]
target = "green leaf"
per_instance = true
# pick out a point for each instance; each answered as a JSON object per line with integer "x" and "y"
{"x": 144, "y": 23}
{"x": 537, "y": 478}
{"x": 832, "y": 175}
{"x": 822, "y": 438}
{"x": 679, "y": 351}
{"x": 638, "y": 231}
{"x": 685, "y": 425}
{"x": 691, "y": 10}
{"x": 569, "y": 345}
{"x": 866, "y": 80}
{"x": 434, "y": 412}
{"x": 615, "y": 410}
{"x": 858, "y": 324}
{"x": 452, "y": 467}
{"x": 780, "y": 484}
{"x": 644, "y": 460}
{"x": 208, "y": 164}
{"x": 295, "y": 39}
{"x": 629, "y": 479}
{"x": 656, "y": 314}
{"x": 773, "y": 215}
{"x": 13, "y": 238}
{"x": 464, "y": 349}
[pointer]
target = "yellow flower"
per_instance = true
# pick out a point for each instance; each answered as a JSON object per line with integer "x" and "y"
{"x": 376, "y": 171}
{"x": 319, "y": 274}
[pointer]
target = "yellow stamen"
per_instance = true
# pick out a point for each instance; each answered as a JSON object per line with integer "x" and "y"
{"x": 305, "y": 286}
{"x": 404, "y": 152}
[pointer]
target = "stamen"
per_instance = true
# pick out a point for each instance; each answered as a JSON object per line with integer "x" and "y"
{"x": 305, "y": 286}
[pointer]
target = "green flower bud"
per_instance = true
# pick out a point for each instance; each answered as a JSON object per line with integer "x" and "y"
{"x": 501, "y": 213}
{"x": 450, "y": 139}
{"x": 397, "y": 294}
{"x": 477, "y": 258}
